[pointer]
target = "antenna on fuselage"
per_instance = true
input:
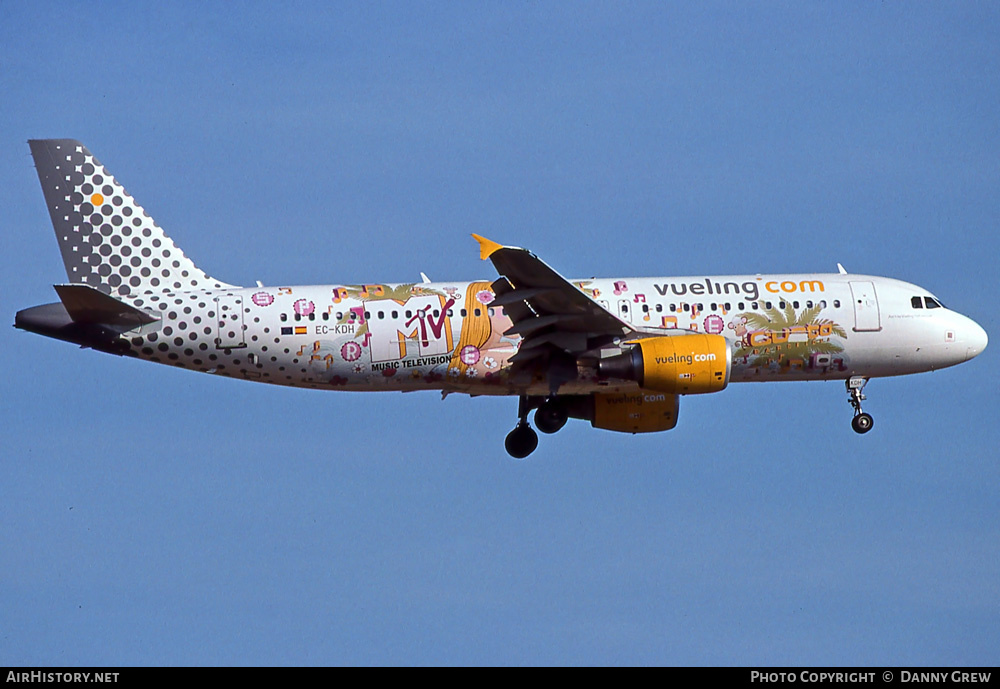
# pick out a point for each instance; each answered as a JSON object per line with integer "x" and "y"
{"x": 842, "y": 270}
{"x": 423, "y": 276}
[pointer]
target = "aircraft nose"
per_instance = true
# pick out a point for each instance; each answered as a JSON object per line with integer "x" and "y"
{"x": 977, "y": 339}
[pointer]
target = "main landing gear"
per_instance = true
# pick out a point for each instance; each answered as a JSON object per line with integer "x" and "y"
{"x": 551, "y": 415}
{"x": 862, "y": 422}
{"x": 523, "y": 440}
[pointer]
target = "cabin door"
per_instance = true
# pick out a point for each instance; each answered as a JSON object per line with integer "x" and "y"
{"x": 866, "y": 313}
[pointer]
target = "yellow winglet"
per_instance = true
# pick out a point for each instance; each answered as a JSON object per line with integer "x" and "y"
{"x": 486, "y": 246}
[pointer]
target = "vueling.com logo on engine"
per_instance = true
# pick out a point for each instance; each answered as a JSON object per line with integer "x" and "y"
{"x": 684, "y": 358}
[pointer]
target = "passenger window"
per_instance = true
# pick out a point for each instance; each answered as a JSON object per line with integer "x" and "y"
{"x": 809, "y": 304}
{"x": 712, "y": 306}
{"x": 687, "y": 307}
{"x": 478, "y": 312}
{"x": 490, "y": 311}
{"x": 767, "y": 304}
{"x": 673, "y": 308}
{"x": 284, "y": 316}
{"x": 740, "y": 305}
{"x": 326, "y": 315}
{"x": 836, "y": 303}
{"x": 312, "y": 316}
{"x": 659, "y": 308}
{"x": 645, "y": 308}
{"x": 781, "y": 304}
{"x": 298, "y": 317}
{"x": 822, "y": 304}
{"x": 795, "y": 304}
{"x": 381, "y": 315}
{"x": 464, "y": 313}
{"x": 395, "y": 314}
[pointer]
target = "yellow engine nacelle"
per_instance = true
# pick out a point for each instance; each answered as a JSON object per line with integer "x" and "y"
{"x": 644, "y": 411}
{"x": 681, "y": 364}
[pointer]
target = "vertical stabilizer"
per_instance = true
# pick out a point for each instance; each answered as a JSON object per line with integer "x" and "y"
{"x": 107, "y": 240}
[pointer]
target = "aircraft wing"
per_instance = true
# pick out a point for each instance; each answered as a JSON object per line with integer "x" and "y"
{"x": 553, "y": 317}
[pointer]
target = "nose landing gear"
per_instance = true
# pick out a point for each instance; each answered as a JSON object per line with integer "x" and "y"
{"x": 862, "y": 422}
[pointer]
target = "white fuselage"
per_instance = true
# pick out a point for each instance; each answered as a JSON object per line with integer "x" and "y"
{"x": 446, "y": 336}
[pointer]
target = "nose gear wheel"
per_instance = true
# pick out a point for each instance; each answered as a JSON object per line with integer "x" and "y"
{"x": 862, "y": 421}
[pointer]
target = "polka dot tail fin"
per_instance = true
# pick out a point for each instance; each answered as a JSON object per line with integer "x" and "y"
{"x": 107, "y": 239}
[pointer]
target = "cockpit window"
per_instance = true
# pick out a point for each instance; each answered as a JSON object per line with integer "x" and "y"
{"x": 931, "y": 303}
{"x": 916, "y": 302}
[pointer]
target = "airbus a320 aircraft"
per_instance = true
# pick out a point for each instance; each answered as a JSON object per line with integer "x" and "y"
{"x": 617, "y": 352}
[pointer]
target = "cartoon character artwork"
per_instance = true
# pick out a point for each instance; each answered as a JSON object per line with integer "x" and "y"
{"x": 482, "y": 351}
{"x": 411, "y": 332}
{"x": 739, "y": 327}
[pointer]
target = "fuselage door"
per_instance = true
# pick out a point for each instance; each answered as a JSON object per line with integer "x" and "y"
{"x": 229, "y": 322}
{"x": 866, "y": 313}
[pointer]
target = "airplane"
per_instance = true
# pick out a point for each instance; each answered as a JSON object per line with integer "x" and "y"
{"x": 617, "y": 352}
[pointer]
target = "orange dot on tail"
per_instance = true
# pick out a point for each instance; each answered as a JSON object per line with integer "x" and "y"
{"x": 97, "y": 199}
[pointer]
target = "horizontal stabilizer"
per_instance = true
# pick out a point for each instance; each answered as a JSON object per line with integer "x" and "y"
{"x": 86, "y": 304}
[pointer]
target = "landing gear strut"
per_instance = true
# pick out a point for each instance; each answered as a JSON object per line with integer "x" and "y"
{"x": 523, "y": 440}
{"x": 862, "y": 422}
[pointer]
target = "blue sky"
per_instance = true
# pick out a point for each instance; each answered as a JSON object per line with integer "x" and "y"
{"x": 155, "y": 516}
